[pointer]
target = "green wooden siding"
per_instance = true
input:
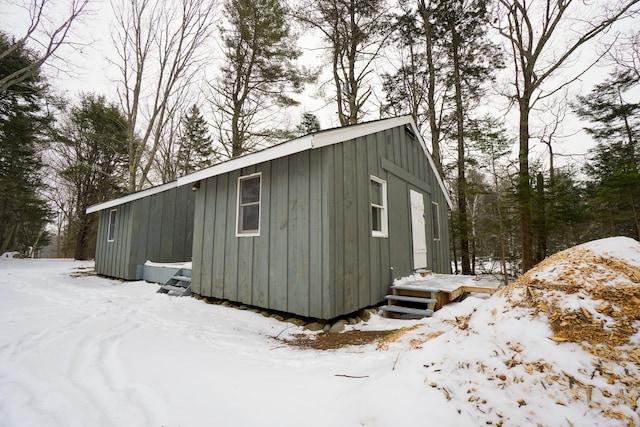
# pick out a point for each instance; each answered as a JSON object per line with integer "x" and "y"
{"x": 315, "y": 255}
{"x": 158, "y": 228}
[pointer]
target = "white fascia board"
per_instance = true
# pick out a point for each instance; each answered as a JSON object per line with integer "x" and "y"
{"x": 272, "y": 153}
{"x": 131, "y": 197}
{"x": 431, "y": 162}
{"x": 335, "y": 136}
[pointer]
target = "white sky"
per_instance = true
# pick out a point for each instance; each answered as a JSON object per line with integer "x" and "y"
{"x": 91, "y": 71}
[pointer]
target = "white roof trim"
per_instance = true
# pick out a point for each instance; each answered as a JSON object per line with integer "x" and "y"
{"x": 133, "y": 196}
{"x": 320, "y": 139}
{"x": 271, "y": 153}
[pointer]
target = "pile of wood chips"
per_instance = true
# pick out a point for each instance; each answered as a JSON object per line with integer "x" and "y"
{"x": 603, "y": 324}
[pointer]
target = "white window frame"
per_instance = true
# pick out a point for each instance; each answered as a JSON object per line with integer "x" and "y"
{"x": 435, "y": 213}
{"x": 249, "y": 233}
{"x": 111, "y": 225}
{"x": 384, "y": 232}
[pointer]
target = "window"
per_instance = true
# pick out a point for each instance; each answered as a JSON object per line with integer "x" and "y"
{"x": 248, "y": 219}
{"x": 111, "y": 233}
{"x": 378, "y": 190}
{"x": 435, "y": 215}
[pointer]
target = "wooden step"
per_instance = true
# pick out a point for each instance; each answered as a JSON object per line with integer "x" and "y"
{"x": 168, "y": 288}
{"x": 414, "y": 288}
{"x": 182, "y": 278}
{"x": 407, "y": 310}
{"x": 410, "y": 299}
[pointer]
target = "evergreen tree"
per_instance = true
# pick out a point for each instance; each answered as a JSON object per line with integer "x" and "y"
{"x": 567, "y": 222}
{"x": 258, "y": 75}
{"x": 613, "y": 189}
{"x": 92, "y": 150}
{"x": 613, "y": 170}
{"x": 354, "y": 33}
{"x": 196, "y": 149}
{"x": 24, "y": 124}
{"x": 473, "y": 58}
{"x": 308, "y": 124}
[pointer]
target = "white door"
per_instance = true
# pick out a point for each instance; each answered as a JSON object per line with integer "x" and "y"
{"x": 418, "y": 230}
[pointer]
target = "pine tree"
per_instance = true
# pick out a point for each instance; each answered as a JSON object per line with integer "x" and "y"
{"x": 24, "y": 125}
{"x": 354, "y": 33}
{"x": 308, "y": 124}
{"x": 92, "y": 154}
{"x": 259, "y": 73}
{"x": 613, "y": 170}
{"x": 196, "y": 149}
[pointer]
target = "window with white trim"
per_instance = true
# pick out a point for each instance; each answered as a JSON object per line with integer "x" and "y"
{"x": 435, "y": 215}
{"x": 111, "y": 233}
{"x": 248, "y": 216}
{"x": 378, "y": 194}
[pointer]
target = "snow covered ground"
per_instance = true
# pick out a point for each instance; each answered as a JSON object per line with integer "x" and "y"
{"x": 79, "y": 350}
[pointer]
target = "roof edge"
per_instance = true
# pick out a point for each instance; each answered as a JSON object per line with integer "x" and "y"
{"x": 311, "y": 141}
{"x": 131, "y": 197}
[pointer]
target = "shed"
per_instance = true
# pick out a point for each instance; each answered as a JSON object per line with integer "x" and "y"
{"x": 154, "y": 224}
{"x": 318, "y": 226}
{"x": 321, "y": 225}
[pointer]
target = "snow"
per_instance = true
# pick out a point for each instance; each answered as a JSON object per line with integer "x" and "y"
{"x": 80, "y": 350}
{"x": 170, "y": 264}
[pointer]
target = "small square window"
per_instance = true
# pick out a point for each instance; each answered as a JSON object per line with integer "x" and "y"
{"x": 248, "y": 218}
{"x": 111, "y": 233}
{"x": 378, "y": 195}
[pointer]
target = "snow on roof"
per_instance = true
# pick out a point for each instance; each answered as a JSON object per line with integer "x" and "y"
{"x": 308, "y": 142}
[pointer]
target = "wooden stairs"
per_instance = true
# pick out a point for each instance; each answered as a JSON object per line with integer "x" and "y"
{"x": 423, "y": 298}
{"x": 411, "y": 301}
{"x": 178, "y": 285}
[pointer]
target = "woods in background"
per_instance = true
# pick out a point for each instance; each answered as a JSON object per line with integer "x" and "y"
{"x": 490, "y": 83}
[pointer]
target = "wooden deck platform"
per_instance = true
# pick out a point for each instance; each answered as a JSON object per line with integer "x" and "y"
{"x": 425, "y": 295}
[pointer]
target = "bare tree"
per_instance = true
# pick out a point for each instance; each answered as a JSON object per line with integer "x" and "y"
{"x": 43, "y": 34}
{"x": 626, "y": 54}
{"x": 162, "y": 45}
{"x": 542, "y": 37}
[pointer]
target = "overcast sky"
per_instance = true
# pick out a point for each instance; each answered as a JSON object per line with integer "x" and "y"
{"x": 86, "y": 68}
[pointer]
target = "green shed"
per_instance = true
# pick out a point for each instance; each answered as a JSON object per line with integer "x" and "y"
{"x": 321, "y": 225}
{"x": 154, "y": 224}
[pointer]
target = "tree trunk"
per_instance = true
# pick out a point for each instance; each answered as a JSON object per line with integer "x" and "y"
{"x": 431, "y": 89}
{"x": 524, "y": 185}
{"x": 453, "y": 245}
{"x": 463, "y": 220}
{"x": 8, "y": 238}
{"x": 540, "y": 221}
{"x": 82, "y": 238}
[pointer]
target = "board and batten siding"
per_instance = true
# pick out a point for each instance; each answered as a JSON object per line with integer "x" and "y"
{"x": 315, "y": 255}
{"x": 157, "y": 228}
{"x": 281, "y": 268}
{"x": 365, "y": 266}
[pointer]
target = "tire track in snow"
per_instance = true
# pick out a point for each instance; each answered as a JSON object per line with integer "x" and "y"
{"x": 97, "y": 369}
